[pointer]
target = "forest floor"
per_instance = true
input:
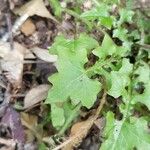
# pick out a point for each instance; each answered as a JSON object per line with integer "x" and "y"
{"x": 25, "y": 65}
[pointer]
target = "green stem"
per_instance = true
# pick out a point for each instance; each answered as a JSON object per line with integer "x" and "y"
{"x": 72, "y": 116}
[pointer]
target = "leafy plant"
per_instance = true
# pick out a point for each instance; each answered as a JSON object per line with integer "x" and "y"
{"x": 78, "y": 84}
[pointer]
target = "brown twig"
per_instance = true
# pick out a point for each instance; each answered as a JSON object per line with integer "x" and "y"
{"x": 102, "y": 102}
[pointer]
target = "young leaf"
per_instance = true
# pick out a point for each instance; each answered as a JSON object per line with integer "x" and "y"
{"x": 72, "y": 81}
{"x": 126, "y": 134}
{"x": 109, "y": 48}
{"x": 120, "y": 79}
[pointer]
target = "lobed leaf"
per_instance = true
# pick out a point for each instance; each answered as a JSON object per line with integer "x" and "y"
{"x": 100, "y": 13}
{"x": 109, "y": 48}
{"x": 126, "y": 134}
{"x": 72, "y": 81}
{"x": 120, "y": 79}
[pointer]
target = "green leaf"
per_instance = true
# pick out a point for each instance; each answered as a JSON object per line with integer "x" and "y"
{"x": 95, "y": 13}
{"x": 143, "y": 76}
{"x": 120, "y": 79}
{"x": 60, "y": 42}
{"x": 125, "y": 16}
{"x": 125, "y": 134}
{"x": 68, "y": 107}
{"x": 55, "y": 4}
{"x": 42, "y": 146}
{"x": 83, "y": 42}
{"x": 106, "y": 22}
{"x": 120, "y": 33}
{"x": 57, "y": 115}
{"x": 72, "y": 81}
{"x": 143, "y": 72}
{"x": 127, "y": 45}
{"x": 143, "y": 98}
{"x": 100, "y": 13}
{"x": 71, "y": 112}
{"x": 109, "y": 48}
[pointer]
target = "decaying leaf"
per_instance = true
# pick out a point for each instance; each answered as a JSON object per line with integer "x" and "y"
{"x": 33, "y": 129}
{"x": 28, "y": 27}
{"x": 8, "y": 144}
{"x": 5, "y": 48}
{"x": 31, "y": 120}
{"x": 29, "y": 54}
{"x": 78, "y": 132}
{"x": 36, "y": 95}
{"x": 34, "y": 7}
{"x": 12, "y": 119}
{"x": 12, "y": 62}
{"x": 44, "y": 55}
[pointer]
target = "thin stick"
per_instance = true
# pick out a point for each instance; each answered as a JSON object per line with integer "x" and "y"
{"x": 31, "y": 62}
{"x": 16, "y": 26}
{"x": 102, "y": 102}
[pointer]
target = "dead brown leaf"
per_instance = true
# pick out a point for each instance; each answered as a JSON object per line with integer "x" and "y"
{"x": 5, "y": 50}
{"x": 33, "y": 128}
{"x": 34, "y": 7}
{"x": 29, "y": 54}
{"x": 44, "y": 55}
{"x": 31, "y": 120}
{"x": 78, "y": 132}
{"x": 12, "y": 62}
{"x": 28, "y": 28}
{"x": 36, "y": 95}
